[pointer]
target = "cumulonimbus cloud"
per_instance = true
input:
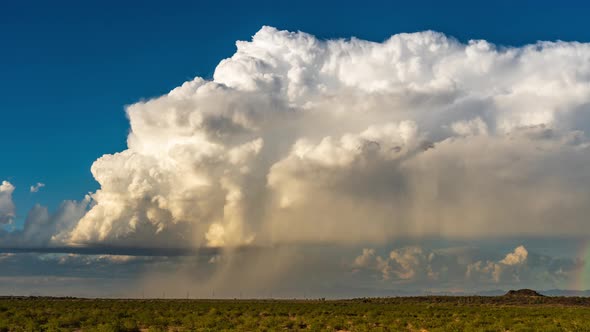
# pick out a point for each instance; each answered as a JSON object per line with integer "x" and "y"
{"x": 297, "y": 139}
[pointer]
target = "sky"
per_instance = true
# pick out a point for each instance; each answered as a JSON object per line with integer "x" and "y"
{"x": 382, "y": 148}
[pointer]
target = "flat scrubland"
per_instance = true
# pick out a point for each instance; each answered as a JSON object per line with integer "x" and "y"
{"x": 430, "y": 313}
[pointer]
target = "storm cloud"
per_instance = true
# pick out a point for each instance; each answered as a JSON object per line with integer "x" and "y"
{"x": 298, "y": 139}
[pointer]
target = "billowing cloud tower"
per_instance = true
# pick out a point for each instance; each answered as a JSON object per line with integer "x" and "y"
{"x": 301, "y": 140}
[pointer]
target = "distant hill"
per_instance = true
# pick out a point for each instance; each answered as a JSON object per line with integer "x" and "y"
{"x": 523, "y": 292}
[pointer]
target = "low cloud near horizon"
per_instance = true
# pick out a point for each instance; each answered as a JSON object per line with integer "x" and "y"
{"x": 350, "y": 143}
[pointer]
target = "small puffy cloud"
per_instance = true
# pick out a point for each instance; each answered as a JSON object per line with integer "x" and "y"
{"x": 412, "y": 264}
{"x": 517, "y": 257}
{"x": 36, "y": 187}
{"x": 509, "y": 268}
{"x": 365, "y": 259}
{"x": 407, "y": 263}
{"x": 522, "y": 267}
{"x": 7, "y": 208}
{"x": 453, "y": 268}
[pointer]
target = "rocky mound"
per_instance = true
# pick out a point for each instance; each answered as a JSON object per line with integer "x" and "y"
{"x": 523, "y": 292}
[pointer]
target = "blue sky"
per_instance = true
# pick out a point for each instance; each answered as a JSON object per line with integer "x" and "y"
{"x": 68, "y": 70}
{"x": 69, "y": 67}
